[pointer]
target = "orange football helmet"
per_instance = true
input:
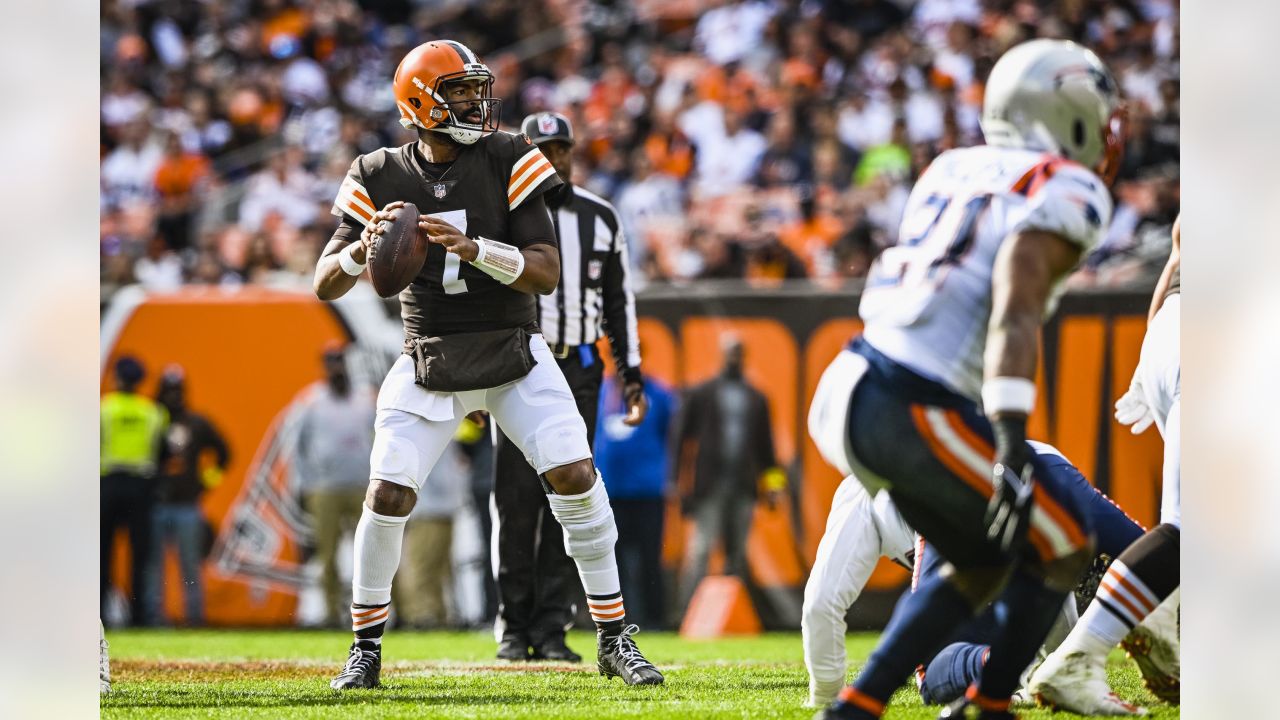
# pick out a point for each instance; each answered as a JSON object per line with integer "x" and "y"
{"x": 419, "y": 88}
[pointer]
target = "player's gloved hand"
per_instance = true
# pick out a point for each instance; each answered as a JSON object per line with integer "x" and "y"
{"x": 1132, "y": 409}
{"x": 637, "y": 403}
{"x": 211, "y": 477}
{"x": 1009, "y": 510}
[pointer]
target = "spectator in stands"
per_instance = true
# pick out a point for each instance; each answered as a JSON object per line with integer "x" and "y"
{"x": 635, "y": 465}
{"x": 649, "y": 202}
{"x": 178, "y": 180}
{"x": 132, "y": 427}
{"x": 129, "y": 171}
{"x": 728, "y": 32}
{"x": 235, "y": 80}
{"x": 193, "y": 458}
{"x": 335, "y": 436}
{"x": 727, "y": 159}
{"x": 285, "y": 189}
{"x": 812, "y": 235}
{"x": 723, "y": 429}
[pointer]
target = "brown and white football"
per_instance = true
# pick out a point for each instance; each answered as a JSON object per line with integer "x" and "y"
{"x": 396, "y": 256}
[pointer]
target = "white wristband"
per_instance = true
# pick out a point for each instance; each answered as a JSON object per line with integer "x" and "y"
{"x": 1008, "y": 394}
{"x": 500, "y": 261}
{"x": 348, "y": 263}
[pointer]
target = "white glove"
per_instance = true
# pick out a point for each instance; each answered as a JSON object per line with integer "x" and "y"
{"x": 1132, "y": 409}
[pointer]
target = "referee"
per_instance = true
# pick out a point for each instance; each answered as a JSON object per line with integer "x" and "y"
{"x": 537, "y": 583}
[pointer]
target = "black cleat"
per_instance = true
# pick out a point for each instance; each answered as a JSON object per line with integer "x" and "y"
{"x": 839, "y": 711}
{"x": 963, "y": 709}
{"x": 555, "y": 649}
{"x": 364, "y": 665}
{"x": 618, "y": 656}
{"x": 514, "y": 648}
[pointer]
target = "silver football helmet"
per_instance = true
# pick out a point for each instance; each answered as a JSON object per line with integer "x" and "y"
{"x": 1056, "y": 96}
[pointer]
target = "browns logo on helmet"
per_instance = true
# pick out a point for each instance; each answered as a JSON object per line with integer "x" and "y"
{"x": 421, "y": 87}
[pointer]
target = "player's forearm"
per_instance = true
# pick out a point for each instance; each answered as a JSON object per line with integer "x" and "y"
{"x": 1162, "y": 285}
{"x": 1012, "y": 345}
{"x": 541, "y": 271}
{"x": 333, "y": 276}
{"x": 331, "y": 282}
{"x": 1026, "y": 268}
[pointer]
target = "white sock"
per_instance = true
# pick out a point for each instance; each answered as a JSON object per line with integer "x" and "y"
{"x": 589, "y": 537}
{"x": 1122, "y": 602}
{"x": 1093, "y": 634}
{"x": 377, "y": 555}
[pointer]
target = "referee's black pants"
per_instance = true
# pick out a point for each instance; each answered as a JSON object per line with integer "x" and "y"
{"x": 538, "y": 585}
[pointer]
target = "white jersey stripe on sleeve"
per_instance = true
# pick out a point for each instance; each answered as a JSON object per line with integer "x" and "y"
{"x": 531, "y": 186}
{"x": 522, "y": 165}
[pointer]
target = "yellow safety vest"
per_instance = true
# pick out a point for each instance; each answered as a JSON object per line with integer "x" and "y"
{"x": 132, "y": 426}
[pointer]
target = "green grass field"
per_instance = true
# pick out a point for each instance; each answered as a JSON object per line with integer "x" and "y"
{"x": 285, "y": 674}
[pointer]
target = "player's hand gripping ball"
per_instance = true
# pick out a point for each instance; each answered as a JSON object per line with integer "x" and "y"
{"x": 396, "y": 250}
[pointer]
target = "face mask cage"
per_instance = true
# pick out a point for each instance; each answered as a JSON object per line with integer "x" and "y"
{"x": 451, "y": 113}
{"x": 1113, "y": 137}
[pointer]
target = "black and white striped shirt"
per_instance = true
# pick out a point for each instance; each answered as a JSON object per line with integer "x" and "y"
{"x": 594, "y": 294}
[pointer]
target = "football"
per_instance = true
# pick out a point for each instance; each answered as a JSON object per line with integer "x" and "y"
{"x": 396, "y": 256}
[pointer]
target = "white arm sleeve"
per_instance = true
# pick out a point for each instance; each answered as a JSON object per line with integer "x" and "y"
{"x": 847, "y": 554}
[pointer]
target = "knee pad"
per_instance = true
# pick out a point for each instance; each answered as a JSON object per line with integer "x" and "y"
{"x": 589, "y": 528}
{"x": 394, "y": 459}
{"x": 560, "y": 440}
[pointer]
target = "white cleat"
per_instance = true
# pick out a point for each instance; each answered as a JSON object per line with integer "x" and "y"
{"x": 104, "y": 661}
{"x": 1154, "y": 647}
{"x": 1078, "y": 682}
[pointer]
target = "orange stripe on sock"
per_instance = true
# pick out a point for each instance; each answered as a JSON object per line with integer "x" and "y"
{"x": 609, "y": 615}
{"x": 861, "y": 700}
{"x": 1112, "y": 594}
{"x": 595, "y": 607}
{"x": 1138, "y": 596}
{"x": 367, "y": 612}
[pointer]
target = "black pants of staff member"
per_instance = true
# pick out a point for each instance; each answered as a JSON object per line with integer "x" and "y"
{"x": 641, "y": 523}
{"x": 538, "y": 584}
{"x": 127, "y": 500}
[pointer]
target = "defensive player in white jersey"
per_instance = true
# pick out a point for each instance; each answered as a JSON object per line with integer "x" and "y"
{"x": 1074, "y": 677}
{"x": 931, "y": 402}
{"x": 861, "y": 529}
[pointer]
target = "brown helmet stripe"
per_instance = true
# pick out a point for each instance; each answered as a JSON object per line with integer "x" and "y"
{"x": 463, "y": 53}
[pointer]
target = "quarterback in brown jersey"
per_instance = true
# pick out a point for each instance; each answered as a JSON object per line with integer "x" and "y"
{"x": 471, "y": 339}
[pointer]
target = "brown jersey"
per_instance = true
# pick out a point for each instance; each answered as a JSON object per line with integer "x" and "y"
{"x": 475, "y": 194}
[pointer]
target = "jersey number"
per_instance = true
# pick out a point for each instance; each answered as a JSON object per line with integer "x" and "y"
{"x": 965, "y": 232}
{"x": 452, "y": 283}
{"x": 919, "y": 251}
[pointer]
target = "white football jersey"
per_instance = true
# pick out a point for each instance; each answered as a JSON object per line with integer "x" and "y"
{"x": 927, "y": 300}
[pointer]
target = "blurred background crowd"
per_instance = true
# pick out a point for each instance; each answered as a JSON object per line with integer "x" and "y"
{"x": 753, "y": 140}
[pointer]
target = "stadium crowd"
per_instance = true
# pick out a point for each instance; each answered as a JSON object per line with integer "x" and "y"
{"x": 739, "y": 139}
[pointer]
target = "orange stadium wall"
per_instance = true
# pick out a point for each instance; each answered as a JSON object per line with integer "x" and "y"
{"x": 249, "y": 353}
